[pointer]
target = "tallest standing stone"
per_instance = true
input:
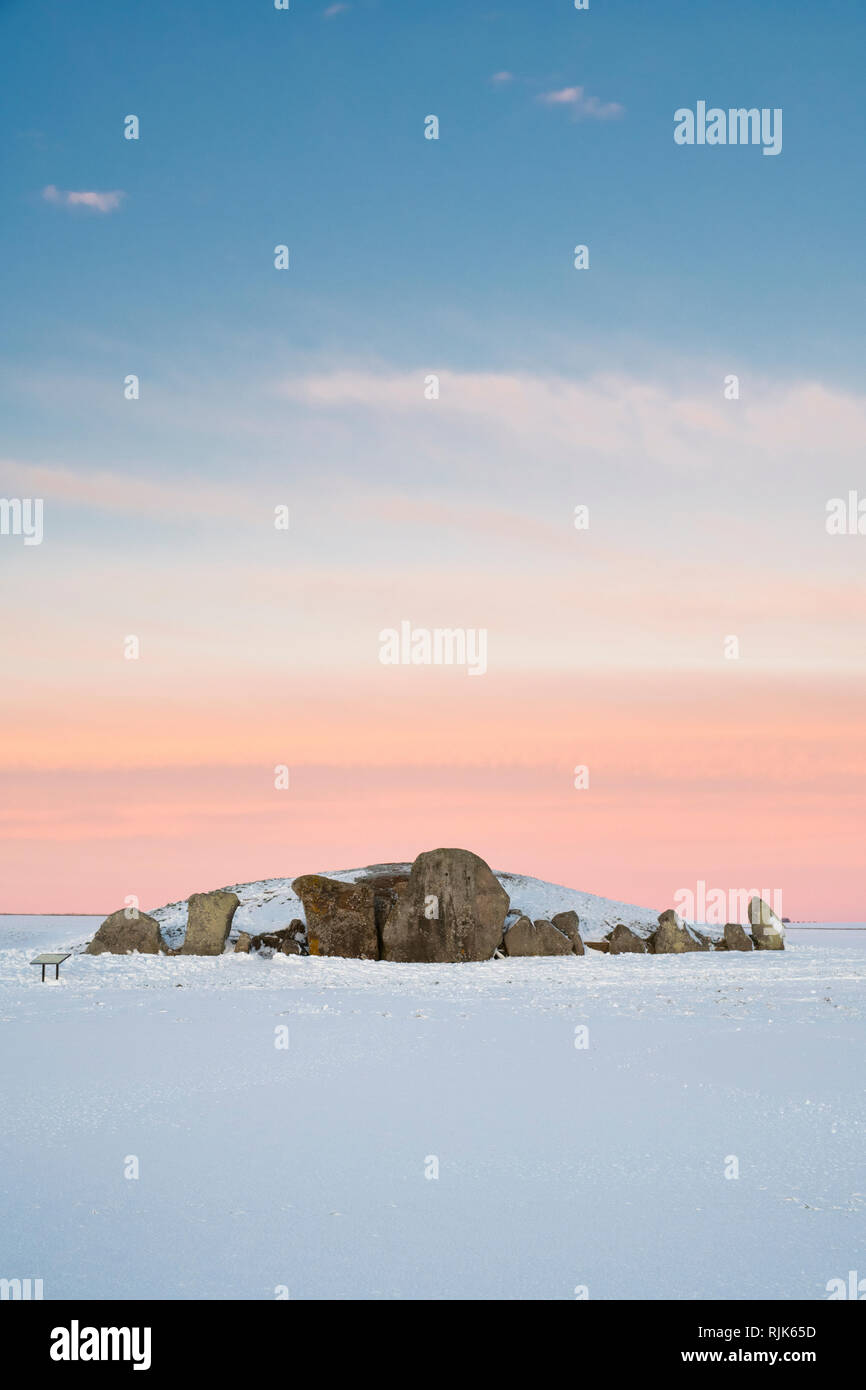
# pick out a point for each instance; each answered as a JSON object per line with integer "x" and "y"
{"x": 451, "y": 909}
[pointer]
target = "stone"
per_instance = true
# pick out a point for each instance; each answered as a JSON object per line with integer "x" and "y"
{"x": 623, "y": 939}
{"x": 768, "y": 933}
{"x": 526, "y": 938}
{"x": 569, "y": 923}
{"x": 341, "y": 917}
{"x": 208, "y": 922}
{"x": 452, "y": 909}
{"x": 285, "y": 940}
{"x": 243, "y": 941}
{"x": 736, "y": 938}
{"x": 672, "y": 937}
{"x": 603, "y": 946}
{"x": 120, "y": 934}
{"x": 387, "y": 888}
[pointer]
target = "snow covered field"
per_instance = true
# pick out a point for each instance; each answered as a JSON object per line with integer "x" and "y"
{"x": 558, "y": 1166}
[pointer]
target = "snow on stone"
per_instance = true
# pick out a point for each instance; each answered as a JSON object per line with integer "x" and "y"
{"x": 270, "y": 904}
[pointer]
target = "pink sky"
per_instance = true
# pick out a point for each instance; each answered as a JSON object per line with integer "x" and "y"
{"x": 154, "y": 777}
{"x": 754, "y": 785}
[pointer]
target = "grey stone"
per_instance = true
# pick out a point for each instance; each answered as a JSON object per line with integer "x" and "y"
{"x": 768, "y": 932}
{"x": 622, "y": 939}
{"x": 673, "y": 937}
{"x": 526, "y": 938}
{"x": 120, "y": 934}
{"x": 452, "y": 909}
{"x": 736, "y": 938}
{"x": 569, "y": 923}
{"x": 209, "y": 920}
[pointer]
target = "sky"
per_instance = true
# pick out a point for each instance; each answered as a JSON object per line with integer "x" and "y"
{"x": 698, "y": 647}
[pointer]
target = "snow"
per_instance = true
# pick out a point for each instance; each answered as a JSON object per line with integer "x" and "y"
{"x": 558, "y": 1166}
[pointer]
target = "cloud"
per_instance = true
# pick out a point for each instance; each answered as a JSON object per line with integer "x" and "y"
{"x": 100, "y": 202}
{"x": 757, "y": 458}
{"x": 499, "y": 79}
{"x": 582, "y": 105}
{"x": 333, "y": 10}
{"x": 166, "y": 499}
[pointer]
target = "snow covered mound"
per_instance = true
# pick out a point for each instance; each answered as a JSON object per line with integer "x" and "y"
{"x": 271, "y": 904}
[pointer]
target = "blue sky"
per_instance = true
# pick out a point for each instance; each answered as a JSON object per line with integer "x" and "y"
{"x": 261, "y": 126}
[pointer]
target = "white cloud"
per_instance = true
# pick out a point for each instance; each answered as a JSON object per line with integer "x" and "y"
{"x": 582, "y": 105}
{"x": 782, "y": 450}
{"x": 100, "y": 202}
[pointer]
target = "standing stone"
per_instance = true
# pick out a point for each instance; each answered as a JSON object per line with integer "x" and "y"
{"x": 243, "y": 941}
{"x": 208, "y": 922}
{"x": 736, "y": 938}
{"x": 541, "y": 938}
{"x": 768, "y": 933}
{"x": 569, "y": 922}
{"x": 452, "y": 909}
{"x": 672, "y": 936}
{"x": 341, "y": 917}
{"x": 120, "y": 934}
{"x": 623, "y": 939}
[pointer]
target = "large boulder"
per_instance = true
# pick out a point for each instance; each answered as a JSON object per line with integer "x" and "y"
{"x": 208, "y": 922}
{"x": 569, "y": 923}
{"x": 526, "y": 938}
{"x": 672, "y": 936}
{"x": 121, "y": 934}
{"x": 622, "y": 939}
{"x": 768, "y": 933}
{"x": 341, "y": 917}
{"x": 736, "y": 938}
{"x": 452, "y": 909}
